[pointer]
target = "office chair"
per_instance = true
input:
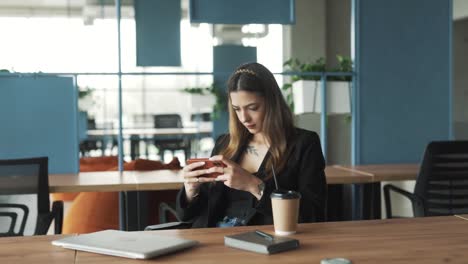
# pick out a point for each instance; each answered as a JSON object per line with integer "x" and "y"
{"x": 172, "y": 143}
{"x": 88, "y": 144}
{"x": 200, "y": 117}
{"x": 13, "y": 216}
{"x": 442, "y": 184}
{"x": 164, "y": 209}
{"x": 24, "y": 195}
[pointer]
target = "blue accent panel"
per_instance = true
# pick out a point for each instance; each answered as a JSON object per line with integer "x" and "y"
{"x": 226, "y": 58}
{"x": 242, "y": 11}
{"x": 451, "y": 132}
{"x": 404, "y": 78}
{"x": 39, "y": 118}
{"x": 158, "y": 32}
{"x": 83, "y": 125}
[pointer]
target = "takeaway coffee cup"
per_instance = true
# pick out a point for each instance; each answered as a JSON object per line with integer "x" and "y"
{"x": 285, "y": 205}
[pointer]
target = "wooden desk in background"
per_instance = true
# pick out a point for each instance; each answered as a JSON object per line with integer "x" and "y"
{"x": 107, "y": 181}
{"x": 128, "y": 182}
{"x": 370, "y": 193}
{"x": 111, "y": 181}
{"x": 386, "y": 172}
{"x": 414, "y": 240}
{"x": 171, "y": 180}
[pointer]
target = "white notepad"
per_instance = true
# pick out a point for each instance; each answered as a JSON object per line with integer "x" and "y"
{"x": 137, "y": 245}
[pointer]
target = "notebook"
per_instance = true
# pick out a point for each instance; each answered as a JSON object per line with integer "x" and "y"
{"x": 136, "y": 245}
{"x": 255, "y": 242}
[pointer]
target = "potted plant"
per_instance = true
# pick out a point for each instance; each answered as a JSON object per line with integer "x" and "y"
{"x": 209, "y": 96}
{"x": 85, "y": 101}
{"x": 305, "y": 91}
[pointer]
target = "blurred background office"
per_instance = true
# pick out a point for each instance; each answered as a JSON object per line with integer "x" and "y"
{"x": 79, "y": 36}
{"x": 401, "y": 66}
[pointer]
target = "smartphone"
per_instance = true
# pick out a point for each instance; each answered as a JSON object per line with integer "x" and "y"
{"x": 208, "y": 164}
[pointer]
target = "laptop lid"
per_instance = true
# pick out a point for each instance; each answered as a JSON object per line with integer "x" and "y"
{"x": 136, "y": 245}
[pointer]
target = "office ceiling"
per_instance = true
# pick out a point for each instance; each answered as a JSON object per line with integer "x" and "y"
{"x": 58, "y": 3}
{"x": 88, "y": 8}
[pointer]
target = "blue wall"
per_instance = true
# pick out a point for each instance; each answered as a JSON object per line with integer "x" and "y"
{"x": 157, "y": 32}
{"x": 404, "y": 79}
{"x": 242, "y": 11}
{"x": 226, "y": 58}
{"x": 39, "y": 118}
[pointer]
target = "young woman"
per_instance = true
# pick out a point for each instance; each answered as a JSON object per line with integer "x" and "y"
{"x": 262, "y": 138}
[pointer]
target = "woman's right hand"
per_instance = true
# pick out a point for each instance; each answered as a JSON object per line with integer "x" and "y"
{"x": 192, "y": 179}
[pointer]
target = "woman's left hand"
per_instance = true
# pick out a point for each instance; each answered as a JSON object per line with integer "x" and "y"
{"x": 234, "y": 176}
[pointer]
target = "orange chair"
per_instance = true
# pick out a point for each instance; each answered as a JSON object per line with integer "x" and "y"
{"x": 155, "y": 198}
{"x": 88, "y": 164}
{"x": 95, "y": 211}
{"x": 92, "y": 211}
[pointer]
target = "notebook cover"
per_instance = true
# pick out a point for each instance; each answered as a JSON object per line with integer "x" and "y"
{"x": 251, "y": 241}
{"x": 138, "y": 245}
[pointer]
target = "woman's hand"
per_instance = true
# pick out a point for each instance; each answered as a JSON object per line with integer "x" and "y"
{"x": 234, "y": 176}
{"x": 193, "y": 179}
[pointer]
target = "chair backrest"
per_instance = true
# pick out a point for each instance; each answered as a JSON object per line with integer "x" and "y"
{"x": 143, "y": 120}
{"x": 442, "y": 182}
{"x": 25, "y": 181}
{"x": 167, "y": 121}
{"x": 201, "y": 117}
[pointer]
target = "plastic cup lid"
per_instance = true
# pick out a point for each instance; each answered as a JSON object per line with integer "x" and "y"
{"x": 285, "y": 194}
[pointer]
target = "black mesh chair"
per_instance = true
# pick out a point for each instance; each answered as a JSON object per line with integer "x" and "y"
{"x": 173, "y": 142}
{"x": 24, "y": 198}
{"x": 442, "y": 184}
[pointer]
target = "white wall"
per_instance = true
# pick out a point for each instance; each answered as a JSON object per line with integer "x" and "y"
{"x": 338, "y": 35}
{"x": 460, "y": 9}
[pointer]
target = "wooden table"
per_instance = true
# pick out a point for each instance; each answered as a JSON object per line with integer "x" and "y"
{"x": 160, "y": 180}
{"x": 415, "y": 240}
{"x": 130, "y": 181}
{"x": 339, "y": 175}
{"x": 386, "y": 172}
{"x": 33, "y": 249}
{"x": 463, "y": 216}
{"x": 369, "y": 194}
{"x": 110, "y": 181}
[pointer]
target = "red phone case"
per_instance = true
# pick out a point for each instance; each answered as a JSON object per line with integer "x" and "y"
{"x": 208, "y": 164}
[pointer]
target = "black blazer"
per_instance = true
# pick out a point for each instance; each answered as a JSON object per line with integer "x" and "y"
{"x": 304, "y": 172}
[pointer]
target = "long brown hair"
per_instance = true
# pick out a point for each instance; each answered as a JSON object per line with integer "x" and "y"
{"x": 278, "y": 122}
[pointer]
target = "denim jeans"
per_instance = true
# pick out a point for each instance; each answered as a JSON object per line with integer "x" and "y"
{"x": 230, "y": 222}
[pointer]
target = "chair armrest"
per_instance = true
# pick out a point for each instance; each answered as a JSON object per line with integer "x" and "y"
{"x": 11, "y": 230}
{"x": 24, "y": 219}
{"x": 165, "y": 208}
{"x": 57, "y": 212}
{"x": 389, "y": 187}
{"x": 172, "y": 225}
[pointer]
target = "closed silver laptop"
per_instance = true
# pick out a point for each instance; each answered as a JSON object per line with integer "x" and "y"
{"x": 136, "y": 245}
